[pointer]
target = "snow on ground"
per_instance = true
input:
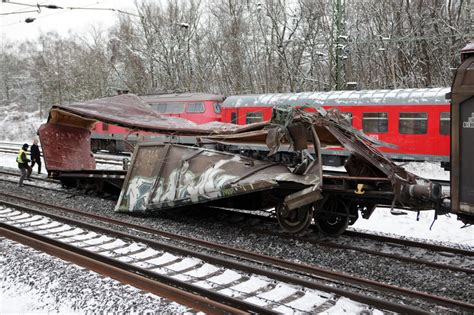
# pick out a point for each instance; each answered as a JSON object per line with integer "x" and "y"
{"x": 445, "y": 228}
{"x": 431, "y": 170}
{"x": 23, "y": 300}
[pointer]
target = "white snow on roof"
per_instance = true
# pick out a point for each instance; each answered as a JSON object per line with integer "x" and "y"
{"x": 367, "y": 97}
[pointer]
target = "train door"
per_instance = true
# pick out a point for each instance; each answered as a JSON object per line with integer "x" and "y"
{"x": 234, "y": 114}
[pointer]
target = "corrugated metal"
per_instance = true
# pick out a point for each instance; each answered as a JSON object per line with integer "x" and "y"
{"x": 132, "y": 112}
{"x": 428, "y": 96}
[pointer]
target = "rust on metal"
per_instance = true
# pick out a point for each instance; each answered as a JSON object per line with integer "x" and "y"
{"x": 462, "y": 133}
{"x": 130, "y": 111}
{"x": 167, "y": 176}
{"x": 66, "y": 142}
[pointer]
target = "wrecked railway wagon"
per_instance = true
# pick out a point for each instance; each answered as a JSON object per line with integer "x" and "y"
{"x": 169, "y": 175}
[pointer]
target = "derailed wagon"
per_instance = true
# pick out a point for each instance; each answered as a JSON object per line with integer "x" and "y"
{"x": 164, "y": 176}
{"x": 170, "y": 175}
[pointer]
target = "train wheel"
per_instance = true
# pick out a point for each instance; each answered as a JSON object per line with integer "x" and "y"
{"x": 332, "y": 216}
{"x": 294, "y": 221}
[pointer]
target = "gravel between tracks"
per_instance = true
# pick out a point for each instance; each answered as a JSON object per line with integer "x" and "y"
{"x": 455, "y": 285}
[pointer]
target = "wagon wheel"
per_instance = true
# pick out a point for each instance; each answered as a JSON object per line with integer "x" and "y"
{"x": 332, "y": 216}
{"x": 296, "y": 220}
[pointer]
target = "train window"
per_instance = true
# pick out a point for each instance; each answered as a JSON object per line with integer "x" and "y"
{"x": 195, "y": 108}
{"x": 174, "y": 108}
{"x": 161, "y": 108}
{"x": 375, "y": 122}
{"x": 253, "y": 117}
{"x": 217, "y": 108}
{"x": 233, "y": 118}
{"x": 444, "y": 120}
{"x": 105, "y": 127}
{"x": 413, "y": 123}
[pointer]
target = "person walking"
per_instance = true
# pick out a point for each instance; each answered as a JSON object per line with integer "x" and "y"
{"x": 22, "y": 161}
{"x": 35, "y": 155}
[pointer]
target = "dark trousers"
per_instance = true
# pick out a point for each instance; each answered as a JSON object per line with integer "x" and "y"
{"x": 25, "y": 173}
{"x": 37, "y": 161}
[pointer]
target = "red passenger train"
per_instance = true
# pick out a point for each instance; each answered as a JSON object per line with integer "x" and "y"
{"x": 416, "y": 120}
{"x": 196, "y": 107}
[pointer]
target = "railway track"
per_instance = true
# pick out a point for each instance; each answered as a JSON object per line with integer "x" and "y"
{"x": 422, "y": 253}
{"x": 434, "y": 255}
{"x": 37, "y": 181}
{"x": 99, "y": 158}
{"x": 316, "y": 273}
{"x": 114, "y": 268}
{"x": 177, "y": 268}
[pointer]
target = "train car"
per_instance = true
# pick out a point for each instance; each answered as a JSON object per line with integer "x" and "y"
{"x": 199, "y": 108}
{"x": 417, "y": 121}
{"x": 462, "y": 129}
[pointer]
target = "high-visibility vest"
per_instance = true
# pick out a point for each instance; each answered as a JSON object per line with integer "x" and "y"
{"x": 20, "y": 153}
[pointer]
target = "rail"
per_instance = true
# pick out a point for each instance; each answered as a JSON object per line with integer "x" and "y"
{"x": 311, "y": 270}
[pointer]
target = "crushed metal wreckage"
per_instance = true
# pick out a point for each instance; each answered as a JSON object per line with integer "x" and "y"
{"x": 171, "y": 175}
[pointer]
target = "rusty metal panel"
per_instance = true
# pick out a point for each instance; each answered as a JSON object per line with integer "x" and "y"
{"x": 130, "y": 111}
{"x": 66, "y": 148}
{"x": 167, "y": 176}
{"x": 462, "y": 133}
{"x": 466, "y": 152}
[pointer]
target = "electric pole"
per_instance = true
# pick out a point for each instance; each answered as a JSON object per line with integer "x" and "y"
{"x": 339, "y": 42}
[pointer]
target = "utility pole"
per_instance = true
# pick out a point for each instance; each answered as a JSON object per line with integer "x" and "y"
{"x": 470, "y": 17}
{"x": 339, "y": 42}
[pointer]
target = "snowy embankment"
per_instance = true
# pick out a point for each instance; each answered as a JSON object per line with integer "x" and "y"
{"x": 446, "y": 228}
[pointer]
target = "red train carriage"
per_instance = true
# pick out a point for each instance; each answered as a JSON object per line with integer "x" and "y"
{"x": 416, "y": 120}
{"x": 196, "y": 107}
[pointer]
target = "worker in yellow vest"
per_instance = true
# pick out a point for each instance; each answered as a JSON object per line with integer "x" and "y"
{"x": 23, "y": 165}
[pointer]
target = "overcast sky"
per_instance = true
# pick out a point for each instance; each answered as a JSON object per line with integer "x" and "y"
{"x": 14, "y": 26}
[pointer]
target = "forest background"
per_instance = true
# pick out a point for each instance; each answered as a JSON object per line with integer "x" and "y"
{"x": 241, "y": 46}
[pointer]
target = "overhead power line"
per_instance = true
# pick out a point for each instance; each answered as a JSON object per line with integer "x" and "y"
{"x": 18, "y": 12}
{"x": 57, "y": 7}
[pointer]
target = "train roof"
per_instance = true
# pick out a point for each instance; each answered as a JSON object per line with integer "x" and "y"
{"x": 430, "y": 96}
{"x": 182, "y": 97}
